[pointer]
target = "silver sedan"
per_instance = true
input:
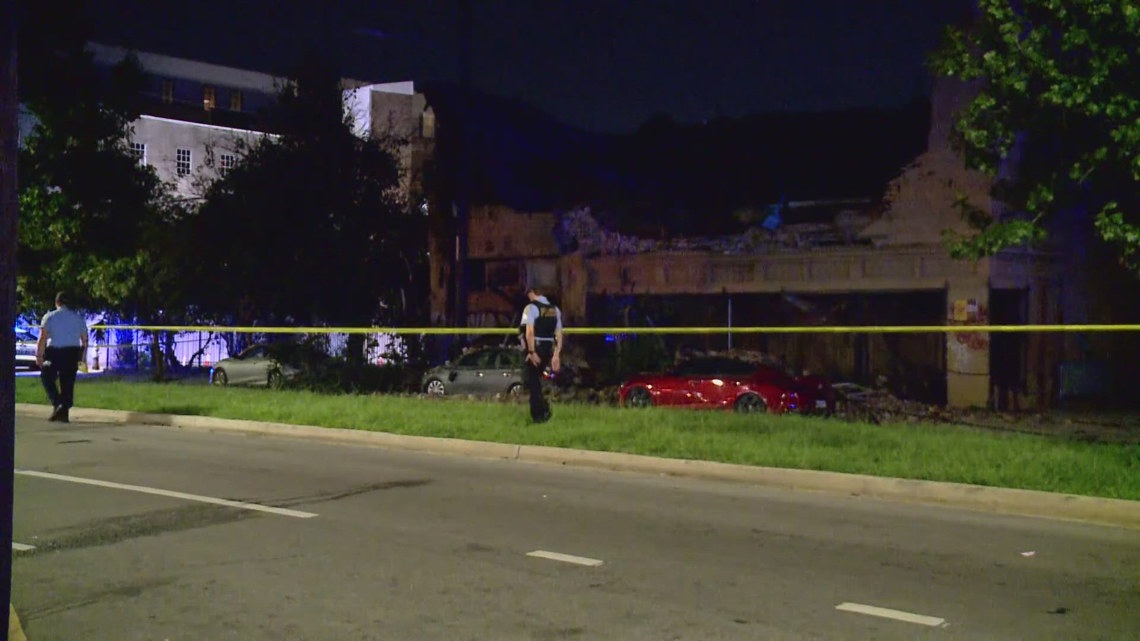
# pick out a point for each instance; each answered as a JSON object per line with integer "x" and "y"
{"x": 483, "y": 372}
{"x": 253, "y": 366}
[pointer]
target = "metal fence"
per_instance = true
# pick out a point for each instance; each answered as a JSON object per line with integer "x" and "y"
{"x": 117, "y": 348}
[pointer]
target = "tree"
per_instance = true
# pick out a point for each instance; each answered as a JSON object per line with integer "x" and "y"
{"x": 93, "y": 219}
{"x": 309, "y": 227}
{"x": 90, "y": 212}
{"x": 1060, "y": 93}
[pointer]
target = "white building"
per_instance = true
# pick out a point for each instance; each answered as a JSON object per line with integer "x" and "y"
{"x": 197, "y": 117}
{"x": 394, "y": 111}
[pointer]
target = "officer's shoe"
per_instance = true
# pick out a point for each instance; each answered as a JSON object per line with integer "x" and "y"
{"x": 56, "y": 412}
{"x": 63, "y": 415}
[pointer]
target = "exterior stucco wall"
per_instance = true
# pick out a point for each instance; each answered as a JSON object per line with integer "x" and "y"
{"x": 164, "y": 137}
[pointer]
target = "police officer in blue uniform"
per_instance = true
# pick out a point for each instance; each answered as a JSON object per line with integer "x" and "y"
{"x": 540, "y": 331}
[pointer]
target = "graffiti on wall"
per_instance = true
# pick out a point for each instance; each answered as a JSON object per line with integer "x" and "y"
{"x": 969, "y": 311}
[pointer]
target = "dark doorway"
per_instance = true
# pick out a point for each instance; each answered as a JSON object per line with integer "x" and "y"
{"x": 1008, "y": 350}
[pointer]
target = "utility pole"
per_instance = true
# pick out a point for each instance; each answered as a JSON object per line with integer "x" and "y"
{"x": 9, "y": 139}
{"x": 463, "y": 171}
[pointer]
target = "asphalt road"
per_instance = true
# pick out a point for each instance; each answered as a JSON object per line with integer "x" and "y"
{"x": 134, "y": 539}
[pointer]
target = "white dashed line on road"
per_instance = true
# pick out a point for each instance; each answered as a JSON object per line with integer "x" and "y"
{"x": 22, "y": 547}
{"x": 565, "y": 558}
{"x": 886, "y": 613}
{"x": 167, "y": 493}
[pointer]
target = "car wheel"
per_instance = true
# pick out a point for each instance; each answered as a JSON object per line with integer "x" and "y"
{"x": 516, "y": 389}
{"x": 750, "y": 403}
{"x": 639, "y": 397}
{"x": 219, "y": 377}
{"x": 276, "y": 380}
{"x": 435, "y": 387}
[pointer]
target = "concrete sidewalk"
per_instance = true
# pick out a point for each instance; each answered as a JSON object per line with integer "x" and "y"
{"x": 1114, "y": 512}
{"x": 15, "y": 632}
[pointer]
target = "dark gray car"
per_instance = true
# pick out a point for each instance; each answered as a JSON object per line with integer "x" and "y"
{"x": 482, "y": 372}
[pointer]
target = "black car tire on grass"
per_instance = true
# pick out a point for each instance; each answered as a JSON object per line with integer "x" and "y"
{"x": 750, "y": 403}
{"x": 638, "y": 397}
{"x": 219, "y": 377}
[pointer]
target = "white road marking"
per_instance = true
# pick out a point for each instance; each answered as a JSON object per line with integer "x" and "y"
{"x": 566, "y": 558}
{"x": 175, "y": 495}
{"x": 22, "y": 547}
{"x": 886, "y": 613}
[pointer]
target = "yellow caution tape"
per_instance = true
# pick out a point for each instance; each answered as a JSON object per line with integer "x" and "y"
{"x": 849, "y": 329}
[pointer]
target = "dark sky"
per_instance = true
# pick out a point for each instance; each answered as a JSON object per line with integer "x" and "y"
{"x": 604, "y": 65}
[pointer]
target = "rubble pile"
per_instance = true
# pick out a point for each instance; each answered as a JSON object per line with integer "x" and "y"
{"x": 748, "y": 356}
{"x": 580, "y": 228}
{"x": 876, "y": 405}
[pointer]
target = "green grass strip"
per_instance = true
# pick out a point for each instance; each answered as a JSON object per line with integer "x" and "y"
{"x": 927, "y": 452}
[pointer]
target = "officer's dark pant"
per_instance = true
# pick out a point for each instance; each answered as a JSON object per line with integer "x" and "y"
{"x": 532, "y": 376}
{"x": 60, "y": 363}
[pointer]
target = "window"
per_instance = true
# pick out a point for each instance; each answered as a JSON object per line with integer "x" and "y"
{"x": 476, "y": 275}
{"x": 168, "y": 91}
{"x": 509, "y": 359}
{"x": 256, "y": 351}
{"x": 209, "y": 99}
{"x": 481, "y": 359}
{"x": 235, "y": 100}
{"x": 226, "y": 162}
{"x": 138, "y": 150}
{"x": 504, "y": 275}
{"x": 182, "y": 162}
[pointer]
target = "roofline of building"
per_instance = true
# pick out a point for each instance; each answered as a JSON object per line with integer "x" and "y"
{"x": 209, "y": 73}
{"x": 204, "y": 125}
{"x": 174, "y": 67}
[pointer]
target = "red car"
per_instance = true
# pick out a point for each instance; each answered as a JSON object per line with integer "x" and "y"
{"x": 726, "y": 383}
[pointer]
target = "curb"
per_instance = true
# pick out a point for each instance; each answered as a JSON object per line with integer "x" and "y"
{"x": 15, "y": 632}
{"x": 1071, "y": 507}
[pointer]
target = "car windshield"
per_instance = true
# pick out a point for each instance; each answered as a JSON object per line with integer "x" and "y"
{"x": 256, "y": 351}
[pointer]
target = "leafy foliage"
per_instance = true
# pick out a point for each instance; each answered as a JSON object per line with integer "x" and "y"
{"x": 1060, "y": 94}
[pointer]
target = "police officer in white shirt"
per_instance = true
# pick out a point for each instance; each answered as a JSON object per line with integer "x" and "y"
{"x": 540, "y": 331}
{"x": 62, "y": 345}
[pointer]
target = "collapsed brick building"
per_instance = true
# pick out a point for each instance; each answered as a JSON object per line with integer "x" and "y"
{"x": 810, "y": 262}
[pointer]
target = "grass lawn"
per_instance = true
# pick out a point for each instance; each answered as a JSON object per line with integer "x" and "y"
{"x": 930, "y": 452}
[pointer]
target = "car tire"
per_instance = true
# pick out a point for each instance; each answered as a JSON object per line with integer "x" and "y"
{"x": 276, "y": 380}
{"x": 435, "y": 387}
{"x": 218, "y": 377}
{"x": 638, "y": 397}
{"x": 750, "y": 403}
{"x": 515, "y": 390}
